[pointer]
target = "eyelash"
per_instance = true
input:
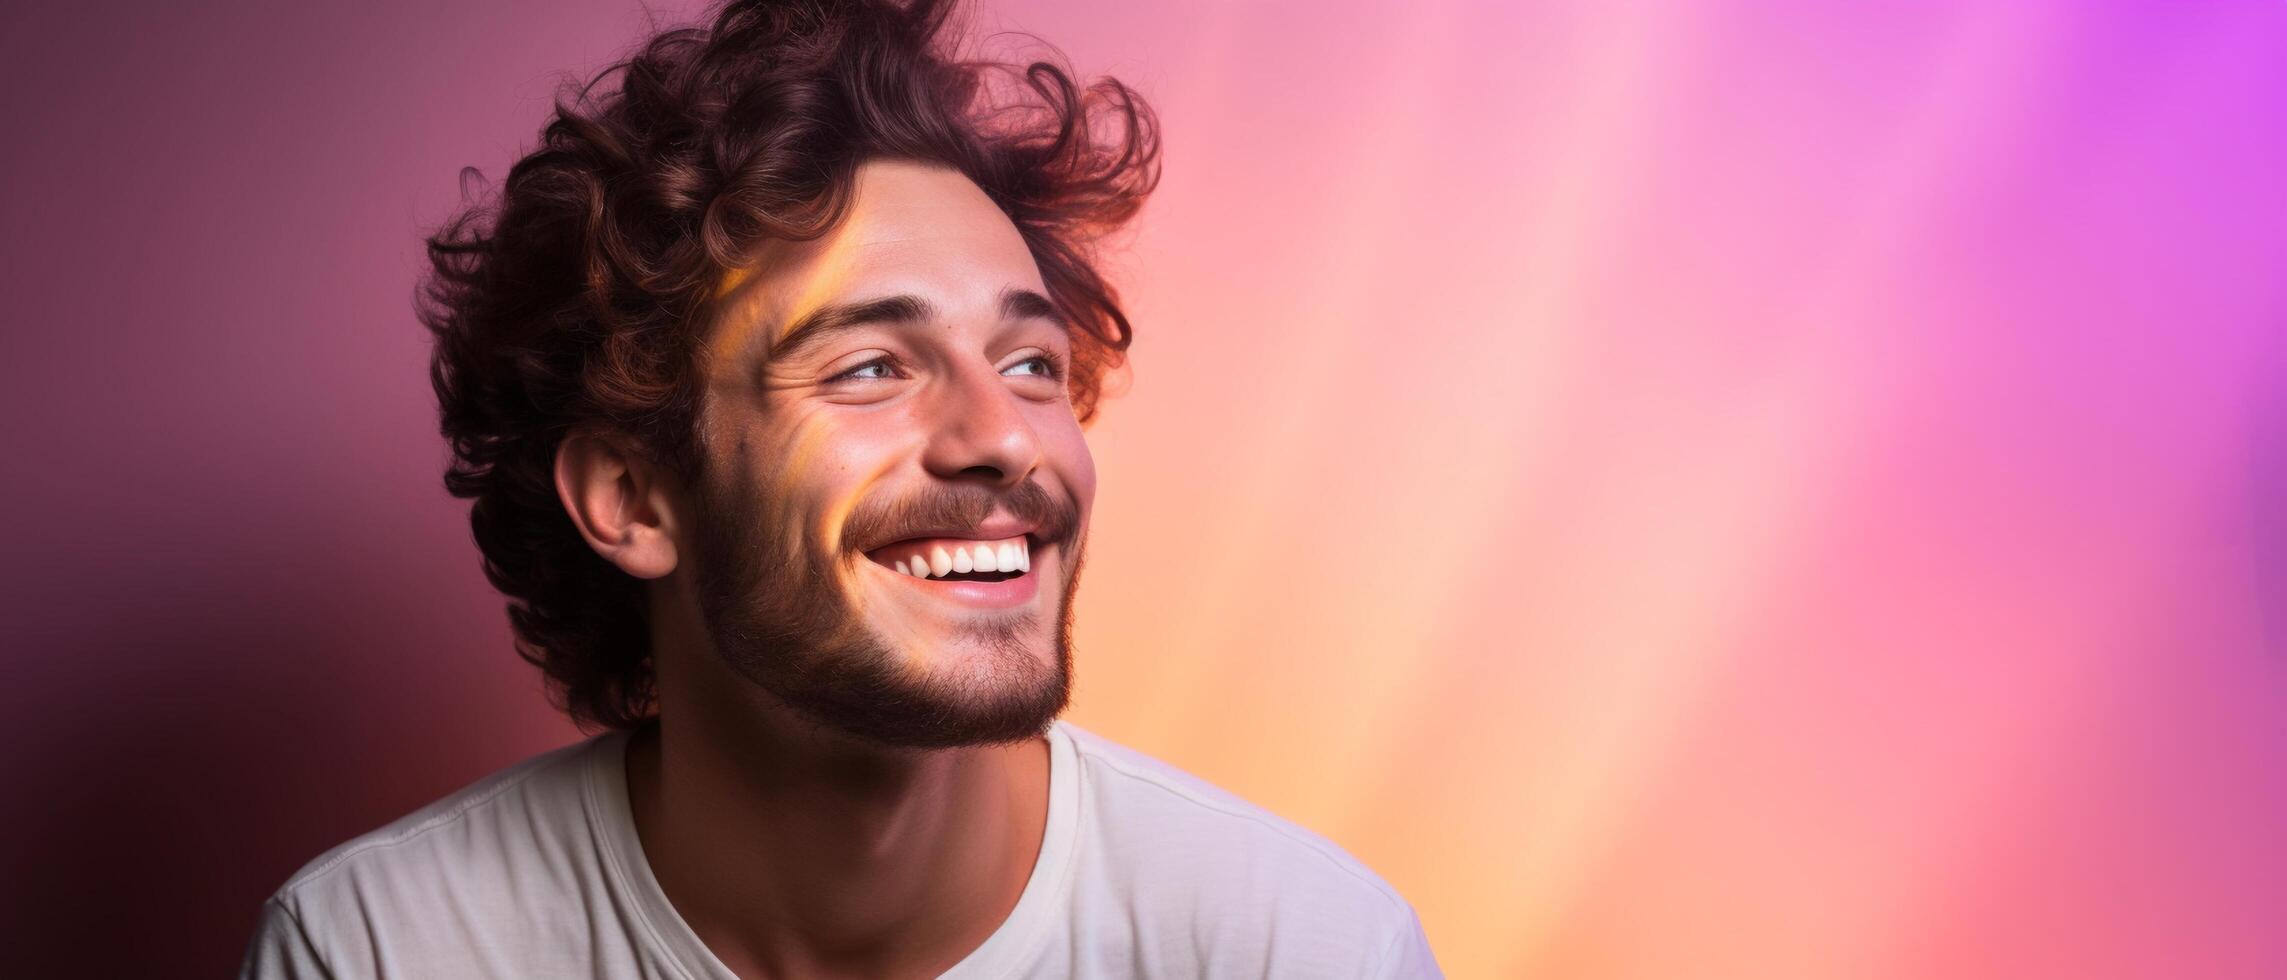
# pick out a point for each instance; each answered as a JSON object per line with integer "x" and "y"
{"x": 1054, "y": 362}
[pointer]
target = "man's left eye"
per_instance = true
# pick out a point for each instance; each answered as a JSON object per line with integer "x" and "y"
{"x": 1044, "y": 367}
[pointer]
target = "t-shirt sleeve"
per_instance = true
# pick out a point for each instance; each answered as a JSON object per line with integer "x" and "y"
{"x": 1408, "y": 956}
{"x": 281, "y": 949}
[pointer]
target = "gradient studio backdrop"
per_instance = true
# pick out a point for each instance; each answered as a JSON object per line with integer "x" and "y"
{"x": 1761, "y": 489}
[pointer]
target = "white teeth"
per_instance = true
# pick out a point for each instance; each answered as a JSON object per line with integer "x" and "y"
{"x": 1009, "y": 556}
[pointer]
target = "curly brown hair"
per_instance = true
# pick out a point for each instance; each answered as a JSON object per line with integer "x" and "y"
{"x": 578, "y": 294}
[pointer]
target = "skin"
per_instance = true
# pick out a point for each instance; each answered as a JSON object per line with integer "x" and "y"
{"x": 801, "y": 825}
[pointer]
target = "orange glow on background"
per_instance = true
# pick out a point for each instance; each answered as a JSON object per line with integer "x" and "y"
{"x": 1679, "y": 489}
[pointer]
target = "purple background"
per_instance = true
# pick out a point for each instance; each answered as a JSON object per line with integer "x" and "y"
{"x": 1826, "y": 462}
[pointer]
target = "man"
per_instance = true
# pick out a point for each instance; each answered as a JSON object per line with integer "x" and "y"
{"x": 767, "y": 375}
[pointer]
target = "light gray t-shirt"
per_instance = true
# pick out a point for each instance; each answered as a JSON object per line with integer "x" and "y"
{"x": 536, "y": 871}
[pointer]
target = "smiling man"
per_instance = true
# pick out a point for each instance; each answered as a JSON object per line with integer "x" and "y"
{"x": 767, "y": 374}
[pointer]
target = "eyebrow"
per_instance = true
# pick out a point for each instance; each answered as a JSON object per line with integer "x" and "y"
{"x": 826, "y": 322}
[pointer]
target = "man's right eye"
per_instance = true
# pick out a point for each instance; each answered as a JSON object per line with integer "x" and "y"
{"x": 859, "y": 373}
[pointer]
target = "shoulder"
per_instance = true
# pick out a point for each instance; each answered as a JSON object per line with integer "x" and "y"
{"x": 462, "y": 828}
{"x": 1178, "y": 848}
{"x": 462, "y": 871}
{"x": 1157, "y": 803}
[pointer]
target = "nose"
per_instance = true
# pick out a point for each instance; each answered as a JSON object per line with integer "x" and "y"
{"x": 980, "y": 431}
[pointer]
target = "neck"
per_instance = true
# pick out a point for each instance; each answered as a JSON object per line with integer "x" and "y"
{"x": 794, "y": 851}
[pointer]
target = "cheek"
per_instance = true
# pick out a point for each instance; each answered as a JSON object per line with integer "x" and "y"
{"x": 1067, "y": 453}
{"x": 836, "y": 463}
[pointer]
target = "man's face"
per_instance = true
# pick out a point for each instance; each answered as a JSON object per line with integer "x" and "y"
{"x": 893, "y": 395}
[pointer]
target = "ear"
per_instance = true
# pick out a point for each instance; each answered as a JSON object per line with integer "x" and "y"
{"x": 622, "y": 502}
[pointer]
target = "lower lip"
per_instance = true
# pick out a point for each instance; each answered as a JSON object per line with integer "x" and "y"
{"x": 1003, "y": 594}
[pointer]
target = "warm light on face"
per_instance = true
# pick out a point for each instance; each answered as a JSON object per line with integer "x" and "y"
{"x": 897, "y": 385}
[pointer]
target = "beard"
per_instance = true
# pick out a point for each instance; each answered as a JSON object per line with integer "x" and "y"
{"x": 780, "y": 616}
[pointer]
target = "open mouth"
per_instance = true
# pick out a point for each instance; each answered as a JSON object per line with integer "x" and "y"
{"x": 957, "y": 559}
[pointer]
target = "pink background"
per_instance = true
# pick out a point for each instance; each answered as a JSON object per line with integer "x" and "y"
{"x": 1680, "y": 488}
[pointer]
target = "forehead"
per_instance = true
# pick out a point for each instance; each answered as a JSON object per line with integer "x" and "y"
{"x": 912, "y": 228}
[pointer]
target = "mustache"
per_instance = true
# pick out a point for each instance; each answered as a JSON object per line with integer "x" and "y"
{"x": 943, "y": 508}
